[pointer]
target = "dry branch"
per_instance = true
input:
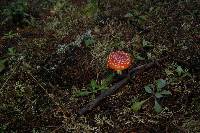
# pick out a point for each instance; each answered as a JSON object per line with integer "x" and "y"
{"x": 115, "y": 87}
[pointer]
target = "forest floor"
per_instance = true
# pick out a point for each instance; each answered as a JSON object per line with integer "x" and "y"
{"x": 53, "y": 58}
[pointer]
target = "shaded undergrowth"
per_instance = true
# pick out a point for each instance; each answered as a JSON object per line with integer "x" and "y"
{"x": 61, "y": 48}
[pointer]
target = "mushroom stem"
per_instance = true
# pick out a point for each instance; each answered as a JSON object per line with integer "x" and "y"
{"x": 119, "y": 72}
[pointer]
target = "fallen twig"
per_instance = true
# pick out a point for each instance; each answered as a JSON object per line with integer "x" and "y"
{"x": 115, "y": 87}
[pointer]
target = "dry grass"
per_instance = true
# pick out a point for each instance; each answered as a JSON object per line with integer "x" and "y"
{"x": 38, "y": 86}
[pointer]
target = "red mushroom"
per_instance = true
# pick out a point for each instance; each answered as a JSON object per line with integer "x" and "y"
{"x": 119, "y": 60}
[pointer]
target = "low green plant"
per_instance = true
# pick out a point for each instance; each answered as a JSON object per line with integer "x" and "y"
{"x": 91, "y": 9}
{"x": 88, "y": 40}
{"x": 11, "y": 52}
{"x": 157, "y": 92}
{"x": 9, "y": 35}
{"x": 60, "y": 5}
{"x": 3, "y": 128}
{"x": 2, "y": 64}
{"x": 182, "y": 72}
{"x": 137, "y": 16}
{"x": 145, "y": 44}
{"x": 95, "y": 87}
{"x": 139, "y": 57}
{"x": 176, "y": 72}
{"x": 17, "y": 12}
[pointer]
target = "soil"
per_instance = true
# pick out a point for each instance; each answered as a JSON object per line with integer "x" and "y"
{"x": 38, "y": 87}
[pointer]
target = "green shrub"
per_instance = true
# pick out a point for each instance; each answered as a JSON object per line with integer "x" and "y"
{"x": 157, "y": 91}
{"x": 16, "y": 12}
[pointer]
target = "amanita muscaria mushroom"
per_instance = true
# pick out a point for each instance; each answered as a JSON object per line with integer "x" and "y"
{"x": 119, "y": 60}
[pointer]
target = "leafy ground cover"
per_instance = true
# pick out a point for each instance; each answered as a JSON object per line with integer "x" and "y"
{"x": 53, "y": 62}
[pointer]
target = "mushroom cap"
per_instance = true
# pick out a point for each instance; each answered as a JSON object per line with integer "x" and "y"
{"x": 119, "y": 60}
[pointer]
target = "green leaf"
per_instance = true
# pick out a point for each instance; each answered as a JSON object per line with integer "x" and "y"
{"x": 146, "y": 43}
{"x": 3, "y": 128}
{"x": 109, "y": 78}
{"x": 151, "y": 9}
{"x": 2, "y": 65}
{"x": 160, "y": 83}
{"x": 168, "y": 72}
{"x": 11, "y": 51}
{"x": 157, "y": 107}
{"x": 148, "y": 89}
{"x": 149, "y": 55}
{"x": 136, "y": 12}
{"x": 138, "y": 57}
{"x": 187, "y": 74}
{"x": 105, "y": 83}
{"x": 158, "y": 95}
{"x": 102, "y": 88}
{"x": 165, "y": 92}
{"x": 88, "y": 40}
{"x": 82, "y": 93}
{"x": 91, "y": 9}
{"x": 93, "y": 84}
{"x": 179, "y": 70}
{"x": 144, "y": 17}
{"x": 93, "y": 2}
{"x": 136, "y": 106}
{"x": 128, "y": 15}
